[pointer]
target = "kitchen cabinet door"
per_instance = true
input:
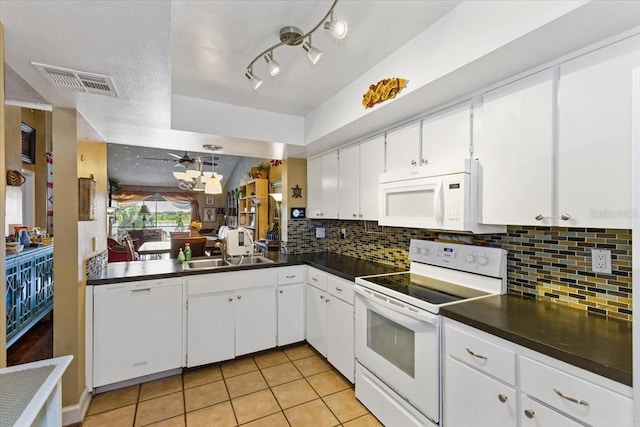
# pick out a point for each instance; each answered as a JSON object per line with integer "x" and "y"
{"x": 255, "y": 315}
{"x": 349, "y": 183}
{"x": 594, "y": 137}
{"x": 314, "y": 187}
{"x": 403, "y": 147}
{"x": 210, "y": 328}
{"x": 474, "y": 399}
{"x": 330, "y": 171}
{"x": 446, "y": 140}
{"x": 513, "y": 141}
{"x": 322, "y": 182}
{"x": 290, "y": 313}
{"x": 137, "y": 330}
{"x": 371, "y": 166}
{"x": 316, "y": 314}
{"x": 340, "y": 337}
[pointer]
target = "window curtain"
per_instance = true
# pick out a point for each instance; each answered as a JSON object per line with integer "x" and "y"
{"x": 176, "y": 198}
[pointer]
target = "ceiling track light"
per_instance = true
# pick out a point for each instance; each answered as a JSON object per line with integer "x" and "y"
{"x": 293, "y": 36}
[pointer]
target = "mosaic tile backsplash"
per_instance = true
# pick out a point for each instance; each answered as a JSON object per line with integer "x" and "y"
{"x": 549, "y": 263}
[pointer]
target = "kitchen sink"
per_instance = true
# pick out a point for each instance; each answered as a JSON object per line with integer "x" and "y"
{"x": 248, "y": 260}
{"x": 204, "y": 264}
{"x": 213, "y": 263}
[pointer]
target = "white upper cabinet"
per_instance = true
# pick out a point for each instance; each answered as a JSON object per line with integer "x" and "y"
{"x": 371, "y": 166}
{"x": 594, "y": 133}
{"x": 513, "y": 141}
{"x": 403, "y": 147}
{"x": 446, "y": 140}
{"x": 349, "y": 183}
{"x": 322, "y": 182}
{"x": 360, "y": 165}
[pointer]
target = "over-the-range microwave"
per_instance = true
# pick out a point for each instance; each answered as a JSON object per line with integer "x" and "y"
{"x": 416, "y": 199}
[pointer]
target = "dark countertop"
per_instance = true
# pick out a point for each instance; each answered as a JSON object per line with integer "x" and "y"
{"x": 595, "y": 343}
{"x": 340, "y": 265}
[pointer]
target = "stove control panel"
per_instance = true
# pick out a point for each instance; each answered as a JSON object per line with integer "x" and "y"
{"x": 474, "y": 259}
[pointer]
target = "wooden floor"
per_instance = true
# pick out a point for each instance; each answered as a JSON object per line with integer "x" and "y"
{"x": 37, "y": 344}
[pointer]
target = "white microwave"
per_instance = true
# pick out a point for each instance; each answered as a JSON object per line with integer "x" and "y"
{"x": 414, "y": 198}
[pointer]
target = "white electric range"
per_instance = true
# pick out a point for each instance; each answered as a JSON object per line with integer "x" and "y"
{"x": 397, "y": 330}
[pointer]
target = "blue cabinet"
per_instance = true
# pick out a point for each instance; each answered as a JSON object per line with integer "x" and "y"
{"x": 29, "y": 290}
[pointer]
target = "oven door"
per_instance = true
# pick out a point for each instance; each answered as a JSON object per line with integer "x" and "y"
{"x": 400, "y": 344}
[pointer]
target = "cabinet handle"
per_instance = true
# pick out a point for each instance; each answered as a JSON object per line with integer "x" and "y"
{"x": 425, "y": 161}
{"x": 230, "y": 299}
{"x": 291, "y": 276}
{"x": 360, "y": 215}
{"x": 529, "y": 413}
{"x": 315, "y": 279}
{"x": 571, "y": 399}
{"x": 321, "y": 296}
{"x": 281, "y": 291}
{"x": 502, "y": 398}
{"x": 326, "y": 300}
{"x": 355, "y": 216}
{"x": 539, "y": 217}
{"x": 143, "y": 290}
{"x": 239, "y": 297}
{"x": 565, "y": 217}
{"x": 338, "y": 289}
{"x": 413, "y": 163}
{"x": 476, "y": 355}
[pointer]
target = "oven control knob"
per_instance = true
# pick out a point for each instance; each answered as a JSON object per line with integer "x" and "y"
{"x": 471, "y": 258}
{"x": 483, "y": 260}
{"x": 424, "y": 251}
{"x": 416, "y": 250}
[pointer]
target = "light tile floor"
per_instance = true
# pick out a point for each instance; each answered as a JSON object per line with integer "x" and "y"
{"x": 293, "y": 386}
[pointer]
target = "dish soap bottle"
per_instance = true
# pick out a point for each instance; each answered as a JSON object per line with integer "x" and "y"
{"x": 187, "y": 252}
{"x": 181, "y": 257}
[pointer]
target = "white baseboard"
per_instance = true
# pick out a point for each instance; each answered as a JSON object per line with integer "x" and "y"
{"x": 75, "y": 413}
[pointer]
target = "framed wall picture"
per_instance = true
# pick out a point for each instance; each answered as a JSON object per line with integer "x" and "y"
{"x": 28, "y": 143}
{"x": 209, "y": 214}
{"x": 208, "y": 200}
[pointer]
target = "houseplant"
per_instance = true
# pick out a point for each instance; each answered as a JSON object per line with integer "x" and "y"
{"x": 263, "y": 169}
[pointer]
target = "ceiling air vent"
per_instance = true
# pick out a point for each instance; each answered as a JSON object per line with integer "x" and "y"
{"x": 78, "y": 80}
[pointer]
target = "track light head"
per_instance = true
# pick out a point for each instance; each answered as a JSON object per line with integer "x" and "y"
{"x": 253, "y": 80}
{"x": 338, "y": 29}
{"x": 313, "y": 54}
{"x": 272, "y": 64}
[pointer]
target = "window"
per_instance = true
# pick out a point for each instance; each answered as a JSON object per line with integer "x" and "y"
{"x": 164, "y": 215}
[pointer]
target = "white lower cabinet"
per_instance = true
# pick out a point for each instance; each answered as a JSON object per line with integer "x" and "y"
{"x": 330, "y": 320}
{"x": 472, "y": 398}
{"x": 480, "y": 390}
{"x": 230, "y": 314}
{"x": 290, "y": 305}
{"x": 137, "y": 329}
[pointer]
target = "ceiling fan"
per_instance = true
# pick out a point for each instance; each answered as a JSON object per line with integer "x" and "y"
{"x": 185, "y": 161}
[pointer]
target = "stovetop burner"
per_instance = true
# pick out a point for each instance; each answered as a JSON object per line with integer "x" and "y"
{"x": 427, "y": 289}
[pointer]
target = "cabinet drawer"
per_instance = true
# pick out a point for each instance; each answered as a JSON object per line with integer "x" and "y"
{"x": 481, "y": 354}
{"x": 290, "y": 275}
{"x": 341, "y": 288}
{"x": 583, "y": 399}
{"x": 317, "y": 279}
{"x": 535, "y": 414}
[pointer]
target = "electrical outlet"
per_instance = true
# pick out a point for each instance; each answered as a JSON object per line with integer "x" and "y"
{"x": 601, "y": 261}
{"x": 343, "y": 233}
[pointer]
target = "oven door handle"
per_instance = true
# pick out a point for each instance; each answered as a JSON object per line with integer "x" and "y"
{"x": 373, "y": 298}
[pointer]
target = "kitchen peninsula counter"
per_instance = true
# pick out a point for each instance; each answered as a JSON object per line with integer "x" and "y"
{"x": 591, "y": 342}
{"x": 340, "y": 265}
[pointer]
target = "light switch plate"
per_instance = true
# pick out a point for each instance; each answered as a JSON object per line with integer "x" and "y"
{"x": 601, "y": 261}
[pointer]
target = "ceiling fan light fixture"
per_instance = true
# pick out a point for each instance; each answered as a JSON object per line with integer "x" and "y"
{"x": 254, "y": 81}
{"x": 192, "y": 173}
{"x": 313, "y": 54}
{"x": 272, "y": 64}
{"x": 180, "y": 176}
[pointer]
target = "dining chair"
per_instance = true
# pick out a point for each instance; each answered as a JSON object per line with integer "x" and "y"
{"x": 197, "y": 245}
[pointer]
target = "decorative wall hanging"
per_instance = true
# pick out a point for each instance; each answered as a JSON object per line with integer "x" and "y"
{"x": 15, "y": 178}
{"x": 86, "y": 198}
{"x": 383, "y": 90}
{"x": 28, "y": 143}
{"x": 297, "y": 192}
